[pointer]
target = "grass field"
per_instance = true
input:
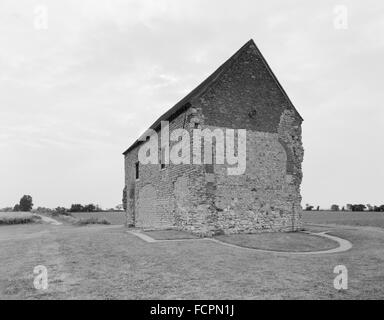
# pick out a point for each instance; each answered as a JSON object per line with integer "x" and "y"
{"x": 9, "y": 218}
{"x": 106, "y": 262}
{"x": 367, "y": 219}
{"x": 169, "y": 235}
{"x": 287, "y": 241}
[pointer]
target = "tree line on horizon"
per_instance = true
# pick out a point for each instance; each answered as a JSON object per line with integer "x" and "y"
{"x": 26, "y": 204}
{"x": 349, "y": 207}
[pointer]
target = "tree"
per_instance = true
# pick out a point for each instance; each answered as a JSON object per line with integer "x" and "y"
{"x": 361, "y": 207}
{"x": 16, "y": 207}
{"x": 76, "y": 208}
{"x": 61, "y": 210}
{"x": 26, "y": 203}
{"x": 358, "y": 207}
{"x": 318, "y": 208}
{"x": 370, "y": 208}
{"x": 43, "y": 210}
{"x": 308, "y": 207}
{"x": 335, "y": 207}
{"x": 89, "y": 208}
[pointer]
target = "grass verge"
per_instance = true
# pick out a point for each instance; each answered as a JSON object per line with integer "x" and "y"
{"x": 87, "y": 221}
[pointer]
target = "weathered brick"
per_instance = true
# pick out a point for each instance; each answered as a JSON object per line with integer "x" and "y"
{"x": 243, "y": 94}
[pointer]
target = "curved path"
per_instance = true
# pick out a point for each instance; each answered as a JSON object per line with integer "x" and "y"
{"x": 344, "y": 245}
{"x": 49, "y": 220}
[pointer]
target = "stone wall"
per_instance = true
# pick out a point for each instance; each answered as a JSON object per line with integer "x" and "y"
{"x": 204, "y": 199}
{"x": 265, "y": 198}
{"x": 164, "y": 197}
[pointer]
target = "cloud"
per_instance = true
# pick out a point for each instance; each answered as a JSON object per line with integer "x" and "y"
{"x": 81, "y": 91}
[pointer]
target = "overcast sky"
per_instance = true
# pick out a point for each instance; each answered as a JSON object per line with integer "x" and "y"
{"x": 78, "y": 87}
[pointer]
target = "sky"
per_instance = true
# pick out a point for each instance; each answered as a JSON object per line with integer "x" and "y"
{"x": 81, "y": 79}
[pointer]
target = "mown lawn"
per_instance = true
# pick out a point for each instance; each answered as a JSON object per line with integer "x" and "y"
{"x": 372, "y": 219}
{"x": 170, "y": 235}
{"x": 106, "y": 262}
{"x": 280, "y": 241}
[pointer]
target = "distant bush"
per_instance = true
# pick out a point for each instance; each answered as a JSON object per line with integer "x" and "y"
{"x": 17, "y": 218}
{"x": 119, "y": 207}
{"x": 358, "y": 207}
{"x": 76, "y": 208}
{"x": 362, "y": 207}
{"x": 335, "y": 207}
{"x": 61, "y": 211}
{"x": 83, "y": 222}
{"x": 308, "y": 207}
{"x": 42, "y": 210}
{"x": 87, "y": 208}
{"x": 379, "y": 208}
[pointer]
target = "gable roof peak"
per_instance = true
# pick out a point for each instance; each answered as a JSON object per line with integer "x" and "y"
{"x": 208, "y": 82}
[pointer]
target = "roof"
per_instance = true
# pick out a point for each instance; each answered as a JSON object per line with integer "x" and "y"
{"x": 207, "y": 83}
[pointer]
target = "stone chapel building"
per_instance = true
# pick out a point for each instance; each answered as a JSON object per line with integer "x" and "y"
{"x": 243, "y": 93}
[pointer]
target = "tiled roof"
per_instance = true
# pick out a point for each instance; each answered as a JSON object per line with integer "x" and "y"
{"x": 207, "y": 83}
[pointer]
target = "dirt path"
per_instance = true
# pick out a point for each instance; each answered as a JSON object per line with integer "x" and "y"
{"x": 49, "y": 220}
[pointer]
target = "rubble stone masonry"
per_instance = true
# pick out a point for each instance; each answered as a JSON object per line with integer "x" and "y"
{"x": 206, "y": 200}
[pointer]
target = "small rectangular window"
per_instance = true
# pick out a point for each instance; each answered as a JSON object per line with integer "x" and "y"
{"x": 137, "y": 170}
